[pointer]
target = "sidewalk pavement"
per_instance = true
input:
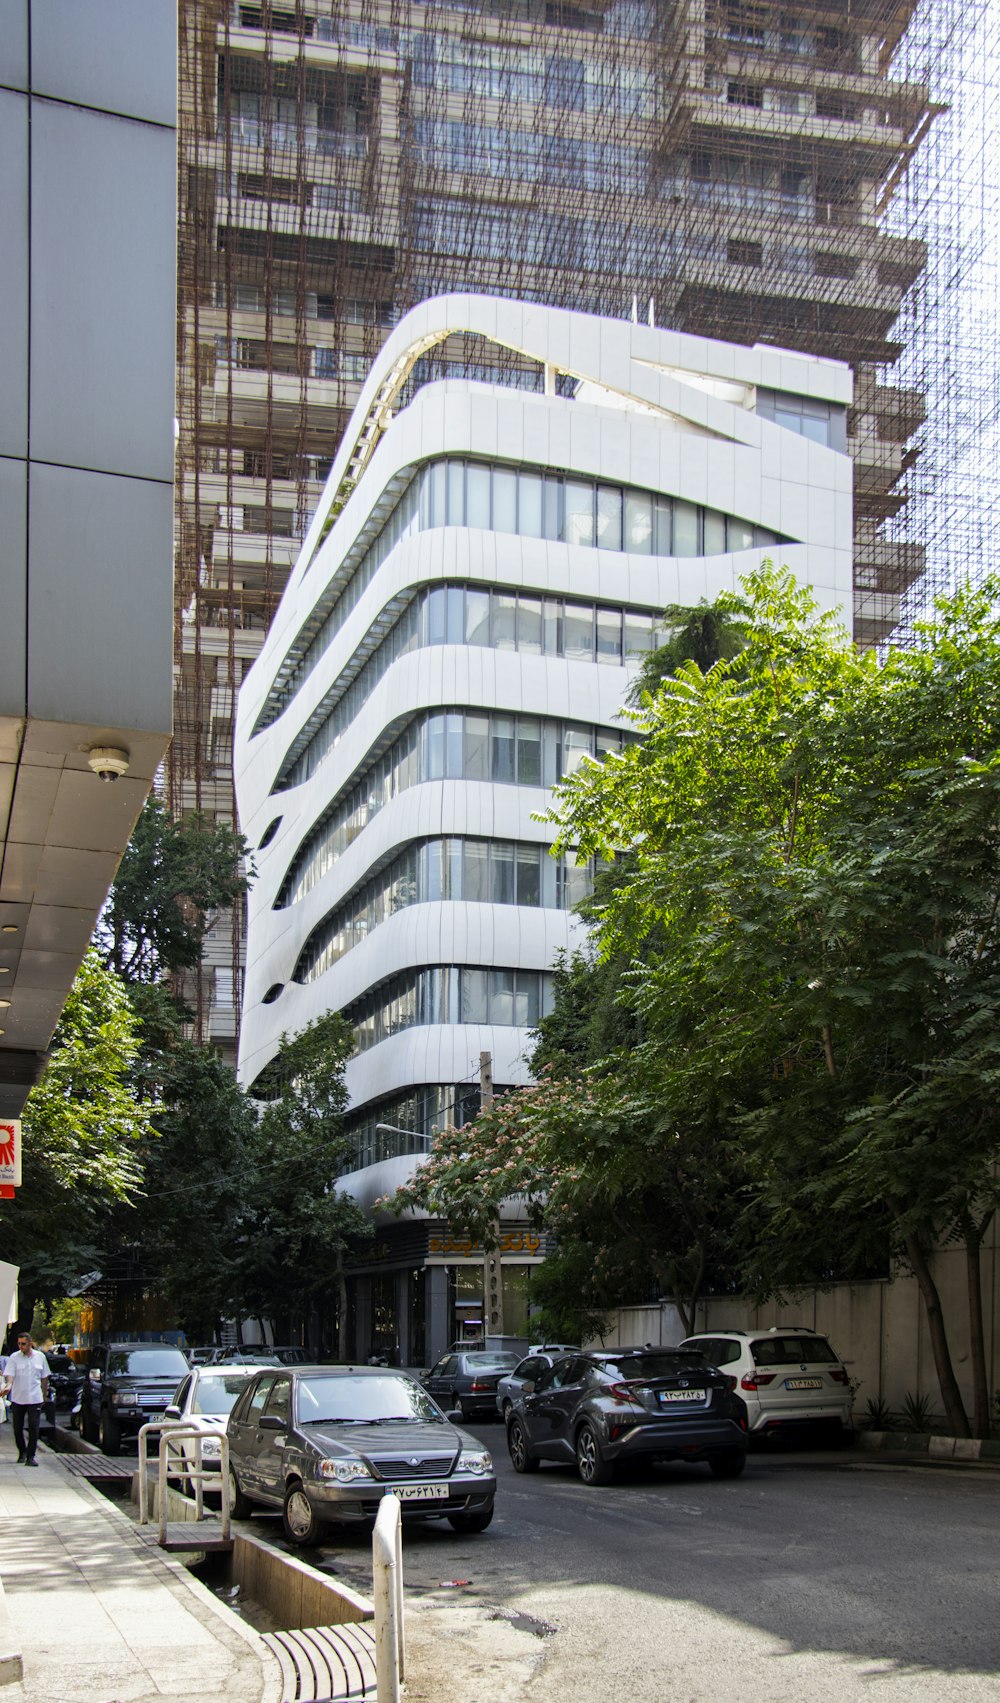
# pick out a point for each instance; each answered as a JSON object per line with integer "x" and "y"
{"x": 101, "y": 1617}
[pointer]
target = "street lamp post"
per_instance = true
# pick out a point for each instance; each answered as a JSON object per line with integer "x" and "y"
{"x": 394, "y": 1129}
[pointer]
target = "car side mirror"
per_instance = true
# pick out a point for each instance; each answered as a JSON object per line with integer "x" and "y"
{"x": 528, "y": 1387}
{"x": 271, "y": 1422}
{"x": 171, "y": 1412}
{"x": 95, "y": 1374}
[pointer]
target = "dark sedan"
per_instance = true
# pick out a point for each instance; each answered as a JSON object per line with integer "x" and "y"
{"x": 469, "y": 1382}
{"x": 325, "y": 1443}
{"x": 608, "y": 1406}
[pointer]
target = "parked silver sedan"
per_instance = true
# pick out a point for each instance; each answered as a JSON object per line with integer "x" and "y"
{"x": 325, "y": 1443}
{"x": 205, "y": 1399}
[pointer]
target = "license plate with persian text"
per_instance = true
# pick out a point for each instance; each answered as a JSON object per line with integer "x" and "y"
{"x": 672, "y": 1396}
{"x": 421, "y": 1492}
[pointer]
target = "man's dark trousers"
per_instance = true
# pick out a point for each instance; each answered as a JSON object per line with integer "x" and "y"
{"x": 32, "y": 1412}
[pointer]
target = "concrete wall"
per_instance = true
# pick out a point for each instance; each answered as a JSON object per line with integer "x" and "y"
{"x": 879, "y": 1329}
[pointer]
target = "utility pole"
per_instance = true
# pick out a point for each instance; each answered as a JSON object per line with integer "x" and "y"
{"x": 492, "y": 1270}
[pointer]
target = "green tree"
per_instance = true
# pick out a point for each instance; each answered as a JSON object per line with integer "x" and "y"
{"x": 83, "y": 1128}
{"x": 299, "y": 1228}
{"x": 174, "y": 874}
{"x": 810, "y": 904}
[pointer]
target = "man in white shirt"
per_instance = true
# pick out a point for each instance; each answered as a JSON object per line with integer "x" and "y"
{"x": 26, "y": 1382}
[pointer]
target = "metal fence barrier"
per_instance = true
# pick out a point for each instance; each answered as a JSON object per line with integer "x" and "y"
{"x": 175, "y": 1462}
{"x": 387, "y": 1573}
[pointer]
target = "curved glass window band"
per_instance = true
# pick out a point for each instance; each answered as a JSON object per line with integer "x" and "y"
{"x": 492, "y": 872}
{"x": 497, "y": 618}
{"x": 458, "y": 744}
{"x": 446, "y": 994}
{"x": 533, "y": 503}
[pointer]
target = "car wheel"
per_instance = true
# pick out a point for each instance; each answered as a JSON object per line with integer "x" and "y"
{"x": 521, "y": 1457}
{"x": 728, "y": 1466}
{"x": 508, "y": 1408}
{"x": 110, "y": 1436}
{"x": 476, "y": 1522}
{"x": 302, "y": 1526}
{"x": 240, "y": 1506}
{"x": 590, "y": 1462}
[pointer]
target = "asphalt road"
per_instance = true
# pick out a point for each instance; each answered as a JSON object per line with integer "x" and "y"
{"x": 814, "y": 1576}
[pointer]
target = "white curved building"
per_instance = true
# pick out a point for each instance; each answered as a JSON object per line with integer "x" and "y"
{"x": 482, "y": 575}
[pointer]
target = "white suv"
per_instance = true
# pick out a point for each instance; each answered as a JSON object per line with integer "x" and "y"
{"x": 788, "y": 1377}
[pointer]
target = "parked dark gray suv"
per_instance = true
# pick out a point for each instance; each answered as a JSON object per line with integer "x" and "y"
{"x": 325, "y": 1443}
{"x": 127, "y": 1383}
{"x": 607, "y": 1406}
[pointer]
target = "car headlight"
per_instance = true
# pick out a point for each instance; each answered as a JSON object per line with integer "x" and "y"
{"x": 477, "y": 1463}
{"x": 211, "y": 1448}
{"x": 343, "y": 1471}
{"x": 123, "y": 1398}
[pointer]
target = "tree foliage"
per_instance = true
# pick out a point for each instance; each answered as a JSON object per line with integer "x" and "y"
{"x": 175, "y": 873}
{"x": 83, "y": 1128}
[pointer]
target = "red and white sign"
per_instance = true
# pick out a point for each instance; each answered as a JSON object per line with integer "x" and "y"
{"x": 10, "y": 1153}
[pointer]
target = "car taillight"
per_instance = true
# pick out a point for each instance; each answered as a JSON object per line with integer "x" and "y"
{"x": 621, "y": 1392}
{"x": 838, "y": 1375}
{"x": 756, "y": 1380}
{"x": 730, "y": 1382}
{"x": 481, "y": 1387}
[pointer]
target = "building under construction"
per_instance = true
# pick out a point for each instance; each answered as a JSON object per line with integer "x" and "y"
{"x": 728, "y": 167}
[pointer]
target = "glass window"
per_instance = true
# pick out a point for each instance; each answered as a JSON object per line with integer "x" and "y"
{"x": 502, "y": 996}
{"x": 686, "y": 529}
{"x": 609, "y": 517}
{"x": 502, "y": 885}
{"x": 578, "y": 633}
{"x": 504, "y": 621}
{"x": 529, "y": 751}
{"x": 433, "y": 766}
{"x": 639, "y": 634}
{"x": 817, "y": 430}
{"x": 529, "y": 625}
{"x": 477, "y": 496}
{"x": 609, "y": 634}
{"x": 439, "y": 494}
{"x": 578, "y": 883}
{"x": 475, "y": 872}
{"x": 663, "y": 527}
{"x": 638, "y": 522}
{"x": 474, "y": 996}
{"x": 529, "y": 889}
{"x": 502, "y": 737}
{"x": 552, "y": 626}
{"x": 279, "y": 1402}
{"x": 477, "y": 617}
{"x": 552, "y": 526}
{"x": 715, "y": 533}
{"x": 456, "y": 746}
{"x": 504, "y": 500}
{"x": 258, "y": 1399}
{"x": 456, "y": 615}
{"x": 529, "y": 496}
{"x": 579, "y": 512}
{"x": 740, "y": 534}
{"x": 577, "y": 744}
{"x": 456, "y": 493}
{"x": 436, "y": 615}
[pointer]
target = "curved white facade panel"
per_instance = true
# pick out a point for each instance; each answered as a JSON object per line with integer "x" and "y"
{"x": 460, "y": 629}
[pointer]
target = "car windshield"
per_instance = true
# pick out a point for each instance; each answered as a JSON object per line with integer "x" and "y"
{"x": 792, "y": 1350}
{"x": 362, "y": 1400}
{"x": 217, "y": 1394}
{"x": 490, "y": 1362}
{"x": 664, "y": 1365}
{"x": 148, "y": 1363}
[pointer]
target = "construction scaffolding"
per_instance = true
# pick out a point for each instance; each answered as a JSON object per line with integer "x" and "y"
{"x": 753, "y": 172}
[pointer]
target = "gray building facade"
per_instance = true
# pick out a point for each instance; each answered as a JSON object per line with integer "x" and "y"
{"x": 87, "y": 286}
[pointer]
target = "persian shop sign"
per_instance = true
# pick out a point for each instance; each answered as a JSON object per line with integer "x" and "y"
{"x": 10, "y": 1155}
{"x": 462, "y": 1246}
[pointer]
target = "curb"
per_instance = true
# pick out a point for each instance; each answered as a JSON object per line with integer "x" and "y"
{"x": 935, "y": 1448}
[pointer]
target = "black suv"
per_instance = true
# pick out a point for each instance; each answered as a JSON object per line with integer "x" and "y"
{"x": 126, "y": 1384}
{"x": 611, "y": 1405}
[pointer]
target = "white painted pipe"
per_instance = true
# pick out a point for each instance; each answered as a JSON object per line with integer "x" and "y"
{"x": 387, "y": 1573}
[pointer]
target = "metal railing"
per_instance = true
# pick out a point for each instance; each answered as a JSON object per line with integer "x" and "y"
{"x": 387, "y": 1573}
{"x": 182, "y": 1466}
